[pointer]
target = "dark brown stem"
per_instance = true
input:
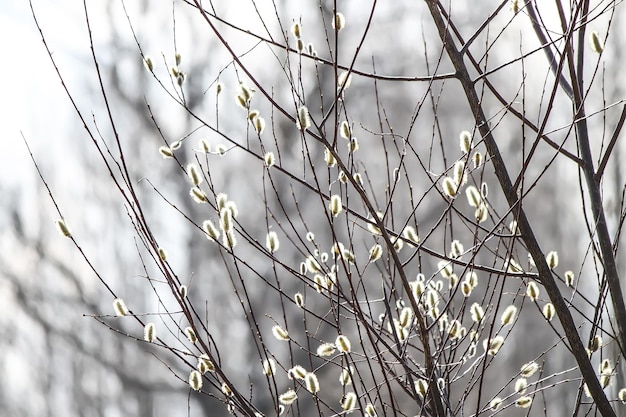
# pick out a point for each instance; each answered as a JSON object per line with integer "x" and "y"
{"x": 593, "y": 188}
{"x": 528, "y": 236}
{"x": 605, "y": 159}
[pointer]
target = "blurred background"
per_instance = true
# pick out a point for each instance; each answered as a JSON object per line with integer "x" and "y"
{"x": 57, "y": 360}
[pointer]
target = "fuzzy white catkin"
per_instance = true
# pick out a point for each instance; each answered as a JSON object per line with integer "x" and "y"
{"x": 495, "y": 403}
{"x": 346, "y": 376}
{"x": 449, "y": 187}
{"x": 548, "y": 311}
{"x": 296, "y": 30}
{"x": 194, "y": 174}
{"x": 477, "y": 312}
{"x": 344, "y": 79}
{"x": 269, "y": 159}
{"x": 349, "y": 402}
{"x": 335, "y": 205}
{"x": 532, "y": 291}
{"x": 299, "y": 299}
{"x": 421, "y": 386}
{"x": 62, "y": 228}
{"x": 370, "y": 410}
{"x": 149, "y": 332}
{"x": 269, "y": 367}
{"x": 528, "y": 369}
{"x": 297, "y": 372}
{"x": 195, "y": 380}
{"x": 204, "y": 145}
{"x": 622, "y": 395}
{"x": 220, "y": 149}
{"x": 344, "y": 130}
{"x": 271, "y": 242}
{"x": 212, "y": 233}
{"x": 520, "y": 385}
{"x": 304, "y": 119}
{"x": 166, "y": 152}
{"x": 596, "y": 343}
{"x": 280, "y": 333}
{"x": 339, "y": 22}
{"x": 524, "y": 402}
{"x": 198, "y": 195}
{"x": 508, "y": 316}
{"x": 343, "y": 344}
{"x": 259, "y": 124}
{"x": 205, "y": 364}
{"x": 493, "y": 346}
{"x": 410, "y": 234}
{"x": 326, "y": 349}
{"x": 288, "y": 397}
{"x": 147, "y": 62}
{"x": 376, "y": 252}
{"x": 552, "y": 259}
{"x": 596, "y": 43}
{"x": 311, "y": 382}
{"x": 465, "y": 141}
{"x": 120, "y": 307}
{"x": 191, "y": 335}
